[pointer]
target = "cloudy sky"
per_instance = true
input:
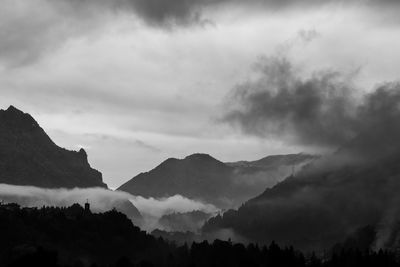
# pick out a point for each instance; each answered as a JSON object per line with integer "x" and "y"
{"x": 137, "y": 81}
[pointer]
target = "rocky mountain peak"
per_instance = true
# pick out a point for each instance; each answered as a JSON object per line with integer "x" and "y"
{"x": 28, "y": 156}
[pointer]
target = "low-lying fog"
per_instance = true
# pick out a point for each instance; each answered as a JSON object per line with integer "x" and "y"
{"x": 151, "y": 209}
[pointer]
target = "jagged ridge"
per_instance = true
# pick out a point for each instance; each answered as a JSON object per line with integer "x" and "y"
{"x": 200, "y": 176}
{"x": 29, "y": 157}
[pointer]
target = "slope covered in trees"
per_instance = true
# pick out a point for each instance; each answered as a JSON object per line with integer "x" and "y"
{"x": 74, "y": 236}
{"x": 328, "y": 199}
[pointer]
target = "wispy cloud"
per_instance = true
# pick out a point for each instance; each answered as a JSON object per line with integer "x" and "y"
{"x": 100, "y": 199}
{"x": 153, "y": 209}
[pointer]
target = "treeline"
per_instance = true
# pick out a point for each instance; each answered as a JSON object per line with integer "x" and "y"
{"x": 73, "y": 237}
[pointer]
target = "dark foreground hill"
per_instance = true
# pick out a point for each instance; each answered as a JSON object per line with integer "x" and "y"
{"x": 29, "y": 157}
{"x": 202, "y": 177}
{"x": 73, "y": 236}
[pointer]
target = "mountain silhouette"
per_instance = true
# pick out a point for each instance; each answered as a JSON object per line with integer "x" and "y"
{"x": 29, "y": 157}
{"x": 202, "y": 177}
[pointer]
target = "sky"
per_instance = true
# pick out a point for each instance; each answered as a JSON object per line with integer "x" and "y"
{"x": 135, "y": 82}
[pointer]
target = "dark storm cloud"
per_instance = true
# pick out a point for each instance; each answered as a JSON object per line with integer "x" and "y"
{"x": 323, "y": 110}
{"x": 183, "y": 12}
{"x": 318, "y": 110}
{"x": 161, "y": 12}
{"x": 154, "y": 12}
{"x": 29, "y": 29}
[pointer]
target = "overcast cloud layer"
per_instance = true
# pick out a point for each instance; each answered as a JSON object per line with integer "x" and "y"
{"x": 29, "y": 29}
{"x": 137, "y": 81}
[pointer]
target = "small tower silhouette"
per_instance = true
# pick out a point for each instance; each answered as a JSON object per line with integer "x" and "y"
{"x": 87, "y": 206}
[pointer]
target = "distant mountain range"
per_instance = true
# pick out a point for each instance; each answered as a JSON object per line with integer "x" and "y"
{"x": 202, "y": 177}
{"x": 29, "y": 157}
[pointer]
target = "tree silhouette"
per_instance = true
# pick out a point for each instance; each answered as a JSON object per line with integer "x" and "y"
{"x": 71, "y": 237}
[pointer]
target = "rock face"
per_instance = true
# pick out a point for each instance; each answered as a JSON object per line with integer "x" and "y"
{"x": 202, "y": 177}
{"x": 29, "y": 157}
